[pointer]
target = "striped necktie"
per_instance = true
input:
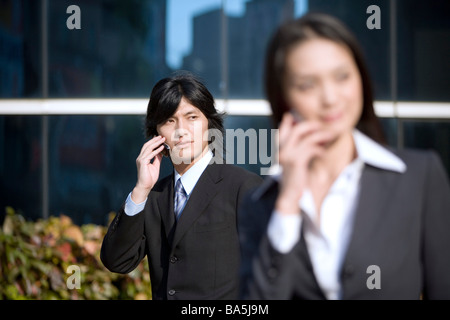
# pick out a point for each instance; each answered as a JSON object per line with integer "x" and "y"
{"x": 180, "y": 198}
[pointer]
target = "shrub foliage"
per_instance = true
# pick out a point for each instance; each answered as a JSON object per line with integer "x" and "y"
{"x": 35, "y": 257}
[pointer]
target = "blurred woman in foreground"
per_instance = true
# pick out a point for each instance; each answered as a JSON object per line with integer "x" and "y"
{"x": 342, "y": 216}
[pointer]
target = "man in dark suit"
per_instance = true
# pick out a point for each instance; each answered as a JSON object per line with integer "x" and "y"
{"x": 185, "y": 223}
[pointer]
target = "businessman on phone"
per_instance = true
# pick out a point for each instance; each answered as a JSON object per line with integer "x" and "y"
{"x": 185, "y": 223}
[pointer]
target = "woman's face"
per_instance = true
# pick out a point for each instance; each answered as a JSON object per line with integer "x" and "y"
{"x": 323, "y": 83}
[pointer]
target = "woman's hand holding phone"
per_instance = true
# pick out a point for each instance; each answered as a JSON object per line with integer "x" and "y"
{"x": 148, "y": 170}
{"x": 299, "y": 143}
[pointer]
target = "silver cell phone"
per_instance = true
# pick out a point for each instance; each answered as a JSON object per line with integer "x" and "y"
{"x": 165, "y": 151}
{"x": 297, "y": 117}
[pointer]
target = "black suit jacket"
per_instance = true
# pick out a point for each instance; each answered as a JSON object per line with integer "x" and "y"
{"x": 196, "y": 257}
{"x": 402, "y": 225}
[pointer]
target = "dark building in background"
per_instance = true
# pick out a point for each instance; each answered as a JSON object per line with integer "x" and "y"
{"x": 232, "y": 62}
{"x": 421, "y": 65}
{"x": 423, "y": 34}
{"x": 20, "y": 49}
{"x": 118, "y": 52}
{"x": 422, "y": 40}
{"x": 374, "y": 42}
{"x": 205, "y": 57}
{"x": 247, "y": 41}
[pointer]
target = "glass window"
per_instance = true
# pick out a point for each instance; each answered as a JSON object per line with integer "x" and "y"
{"x": 195, "y": 41}
{"x": 249, "y": 27}
{"x": 124, "y": 47}
{"x": 433, "y": 134}
{"x": 118, "y": 52}
{"x": 248, "y": 142}
{"x": 21, "y": 165}
{"x": 375, "y": 43}
{"x": 20, "y": 49}
{"x": 390, "y": 126}
{"x": 423, "y": 34}
{"x": 92, "y": 164}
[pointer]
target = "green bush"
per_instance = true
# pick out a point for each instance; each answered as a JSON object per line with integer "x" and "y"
{"x": 35, "y": 259}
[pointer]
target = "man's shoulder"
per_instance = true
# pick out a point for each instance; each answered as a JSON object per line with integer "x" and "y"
{"x": 231, "y": 170}
{"x": 163, "y": 183}
{"x": 232, "y": 175}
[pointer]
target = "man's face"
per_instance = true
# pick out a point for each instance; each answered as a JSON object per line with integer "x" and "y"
{"x": 186, "y": 133}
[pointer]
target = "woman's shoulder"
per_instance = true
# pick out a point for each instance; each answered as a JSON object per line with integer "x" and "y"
{"x": 422, "y": 160}
{"x": 415, "y": 156}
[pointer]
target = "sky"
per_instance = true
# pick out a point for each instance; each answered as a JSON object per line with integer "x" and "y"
{"x": 179, "y": 22}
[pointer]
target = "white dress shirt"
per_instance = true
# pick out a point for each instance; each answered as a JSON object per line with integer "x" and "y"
{"x": 188, "y": 179}
{"x": 327, "y": 240}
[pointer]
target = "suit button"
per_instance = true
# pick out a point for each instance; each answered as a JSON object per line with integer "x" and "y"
{"x": 272, "y": 273}
{"x": 173, "y": 259}
{"x": 348, "y": 271}
{"x": 171, "y": 292}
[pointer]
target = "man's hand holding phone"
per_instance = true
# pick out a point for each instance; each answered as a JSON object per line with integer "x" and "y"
{"x": 148, "y": 170}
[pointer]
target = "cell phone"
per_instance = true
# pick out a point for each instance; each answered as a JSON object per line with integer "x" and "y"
{"x": 297, "y": 117}
{"x": 165, "y": 151}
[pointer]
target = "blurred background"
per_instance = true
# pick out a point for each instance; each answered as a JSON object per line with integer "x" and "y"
{"x": 72, "y": 102}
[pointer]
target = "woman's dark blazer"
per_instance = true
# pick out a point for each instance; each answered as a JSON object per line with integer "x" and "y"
{"x": 402, "y": 225}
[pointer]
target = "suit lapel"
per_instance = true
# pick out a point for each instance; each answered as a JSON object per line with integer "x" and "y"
{"x": 375, "y": 191}
{"x": 306, "y": 285}
{"x": 165, "y": 206}
{"x": 203, "y": 193}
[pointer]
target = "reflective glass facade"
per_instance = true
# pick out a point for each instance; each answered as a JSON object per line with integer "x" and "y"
{"x": 84, "y": 165}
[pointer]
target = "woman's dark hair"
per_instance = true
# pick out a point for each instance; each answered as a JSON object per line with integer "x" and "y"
{"x": 166, "y": 96}
{"x": 313, "y": 26}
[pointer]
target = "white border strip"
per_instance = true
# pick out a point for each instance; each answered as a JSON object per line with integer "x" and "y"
{"x": 429, "y": 110}
{"x": 234, "y": 107}
{"x": 73, "y": 106}
{"x": 384, "y": 109}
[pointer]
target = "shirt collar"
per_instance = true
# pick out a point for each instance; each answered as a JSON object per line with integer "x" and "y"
{"x": 376, "y": 155}
{"x": 190, "y": 177}
{"x": 368, "y": 151}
